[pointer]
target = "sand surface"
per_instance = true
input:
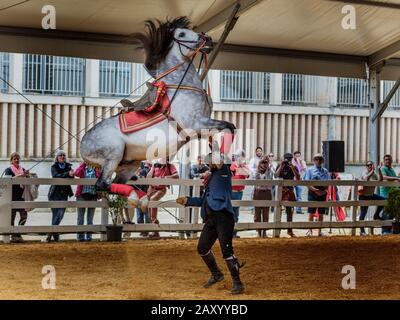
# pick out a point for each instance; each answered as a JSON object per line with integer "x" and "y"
{"x": 300, "y": 268}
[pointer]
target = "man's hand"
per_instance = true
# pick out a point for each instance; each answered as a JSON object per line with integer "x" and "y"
{"x": 181, "y": 200}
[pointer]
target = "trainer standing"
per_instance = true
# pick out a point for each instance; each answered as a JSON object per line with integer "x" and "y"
{"x": 218, "y": 215}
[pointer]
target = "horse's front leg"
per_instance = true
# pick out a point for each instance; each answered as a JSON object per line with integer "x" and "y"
{"x": 211, "y": 125}
{"x": 202, "y": 123}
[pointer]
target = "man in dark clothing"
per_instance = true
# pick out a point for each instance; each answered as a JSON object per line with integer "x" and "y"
{"x": 218, "y": 215}
{"x": 287, "y": 171}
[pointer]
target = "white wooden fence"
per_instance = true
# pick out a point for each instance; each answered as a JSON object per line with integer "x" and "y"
{"x": 6, "y": 205}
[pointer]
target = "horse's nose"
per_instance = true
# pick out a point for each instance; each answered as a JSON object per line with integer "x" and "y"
{"x": 208, "y": 45}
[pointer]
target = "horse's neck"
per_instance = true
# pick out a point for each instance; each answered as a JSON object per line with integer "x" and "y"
{"x": 175, "y": 77}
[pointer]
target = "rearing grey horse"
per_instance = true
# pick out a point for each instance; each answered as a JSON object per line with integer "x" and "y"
{"x": 166, "y": 45}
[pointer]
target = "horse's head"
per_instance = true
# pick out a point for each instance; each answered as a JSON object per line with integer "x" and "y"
{"x": 188, "y": 42}
{"x": 173, "y": 37}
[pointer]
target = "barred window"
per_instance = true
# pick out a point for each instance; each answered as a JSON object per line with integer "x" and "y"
{"x": 299, "y": 89}
{"x": 352, "y": 92}
{"x": 4, "y": 71}
{"x": 244, "y": 86}
{"x": 115, "y": 78}
{"x": 54, "y": 75}
{"x": 386, "y": 87}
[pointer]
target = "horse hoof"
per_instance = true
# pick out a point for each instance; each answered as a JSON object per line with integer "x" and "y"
{"x": 102, "y": 186}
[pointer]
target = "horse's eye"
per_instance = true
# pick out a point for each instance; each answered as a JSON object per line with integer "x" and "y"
{"x": 181, "y": 35}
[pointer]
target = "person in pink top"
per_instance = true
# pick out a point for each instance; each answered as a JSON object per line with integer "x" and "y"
{"x": 162, "y": 170}
{"x": 301, "y": 166}
{"x": 240, "y": 170}
{"x": 86, "y": 193}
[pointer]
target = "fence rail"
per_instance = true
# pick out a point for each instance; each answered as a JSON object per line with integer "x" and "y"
{"x": 6, "y": 205}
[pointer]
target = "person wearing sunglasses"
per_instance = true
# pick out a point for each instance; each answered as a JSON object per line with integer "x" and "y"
{"x": 60, "y": 169}
{"x": 317, "y": 193}
{"x": 368, "y": 192}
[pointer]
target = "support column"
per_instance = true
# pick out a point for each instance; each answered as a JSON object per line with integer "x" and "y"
{"x": 92, "y": 78}
{"x": 374, "y": 127}
{"x": 214, "y": 80}
{"x": 331, "y": 127}
{"x": 275, "y": 88}
{"x": 16, "y": 71}
{"x": 326, "y": 91}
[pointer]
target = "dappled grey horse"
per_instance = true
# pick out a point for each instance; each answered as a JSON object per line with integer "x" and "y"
{"x": 169, "y": 48}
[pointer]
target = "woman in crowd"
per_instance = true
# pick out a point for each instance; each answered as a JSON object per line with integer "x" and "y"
{"x": 162, "y": 169}
{"x": 264, "y": 171}
{"x": 16, "y": 170}
{"x": 86, "y": 193}
{"x": 239, "y": 170}
{"x": 60, "y": 169}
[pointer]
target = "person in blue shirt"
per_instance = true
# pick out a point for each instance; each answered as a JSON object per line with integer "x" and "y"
{"x": 317, "y": 193}
{"x": 218, "y": 215}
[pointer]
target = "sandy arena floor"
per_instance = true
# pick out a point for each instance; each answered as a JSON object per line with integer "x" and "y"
{"x": 301, "y": 268}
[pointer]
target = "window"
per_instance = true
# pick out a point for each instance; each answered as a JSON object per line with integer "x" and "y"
{"x": 352, "y": 92}
{"x": 115, "y": 78}
{"x": 54, "y": 75}
{"x": 244, "y": 86}
{"x": 4, "y": 71}
{"x": 299, "y": 89}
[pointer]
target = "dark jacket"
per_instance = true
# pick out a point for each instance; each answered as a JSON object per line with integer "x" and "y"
{"x": 60, "y": 192}
{"x": 217, "y": 193}
{"x": 17, "y": 191}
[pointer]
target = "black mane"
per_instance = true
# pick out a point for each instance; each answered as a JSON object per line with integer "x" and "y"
{"x": 157, "y": 40}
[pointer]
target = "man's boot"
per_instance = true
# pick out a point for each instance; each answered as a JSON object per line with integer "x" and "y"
{"x": 216, "y": 274}
{"x": 234, "y": 266}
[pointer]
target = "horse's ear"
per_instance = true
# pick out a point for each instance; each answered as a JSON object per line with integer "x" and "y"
{"x": 126, "y": 103}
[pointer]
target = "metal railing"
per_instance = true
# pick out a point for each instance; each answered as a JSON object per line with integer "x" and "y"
{"x": 352, "y": 93}
{"x": 4, "y": 71}
{"x": 6, "y": 205}
{"x": 244, "y": 86}
{"x": 54, "y": 75}
{"x": 299, "y": 89}
{"x": 386, "y": 87}
{"x": 115, "y": 78}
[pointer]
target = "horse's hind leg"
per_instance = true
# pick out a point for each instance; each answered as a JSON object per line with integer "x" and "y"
{"x": 104, "y": 181}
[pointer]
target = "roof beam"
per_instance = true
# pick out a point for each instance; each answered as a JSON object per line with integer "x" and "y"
{"x": 372, "y": 3}
{"x": 383, "y": 54}
{"x": 221, "y": 17}
{"x": 383, "y": 106}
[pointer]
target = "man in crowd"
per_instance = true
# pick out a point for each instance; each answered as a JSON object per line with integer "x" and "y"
{"x": 253, "y": 164}
{"x": 301, "y": 166}
{"x": 388, "y": 174}
{"x": 141, "y": 172}
{"x": 317, "y": 193}
{"x": 368, "y": 193}
{"x": 287, "y": 171}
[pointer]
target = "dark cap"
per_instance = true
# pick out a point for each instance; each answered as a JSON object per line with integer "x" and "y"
{"x": 288, "y": 156}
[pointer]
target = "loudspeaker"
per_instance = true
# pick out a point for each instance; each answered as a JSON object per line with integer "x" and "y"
{"x": 333, "y": 151}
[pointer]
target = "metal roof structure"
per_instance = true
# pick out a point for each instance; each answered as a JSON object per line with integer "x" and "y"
{"x": 287, "y": 36}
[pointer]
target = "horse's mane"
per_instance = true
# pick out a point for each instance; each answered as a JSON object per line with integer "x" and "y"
{"x": 157, "y": 40}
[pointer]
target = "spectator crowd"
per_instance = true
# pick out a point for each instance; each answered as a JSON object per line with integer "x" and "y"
{"x": 261, "y": 167}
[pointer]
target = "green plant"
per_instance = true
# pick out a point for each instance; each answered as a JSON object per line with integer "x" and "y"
{"x": 116, "y": 204}
{"x": 392, "y": 207}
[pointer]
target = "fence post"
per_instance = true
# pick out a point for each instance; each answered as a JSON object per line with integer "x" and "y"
{"x": 5, "y": 206}
{"x": 104, "y": 220}
{"x": 278, "y": 208}
{"x": 354, "y": 197}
